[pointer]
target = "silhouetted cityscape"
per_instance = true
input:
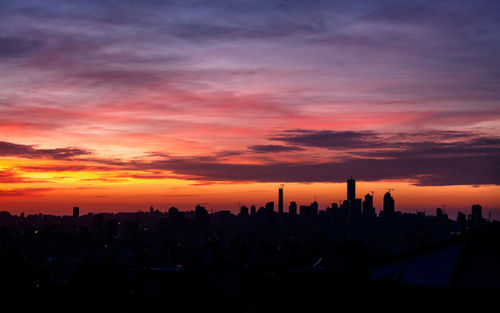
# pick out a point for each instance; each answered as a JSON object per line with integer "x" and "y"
{"x": 248, "y": 261}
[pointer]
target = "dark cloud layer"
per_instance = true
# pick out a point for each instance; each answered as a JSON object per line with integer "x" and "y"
{"x": 28, "y": 151}
{"x": 329, "y": 139}
{"x": 426, "y": 158}
{"x": 13, "y": 47}
{"x": 273, "y": 148}
{"x": 430, "y": 171}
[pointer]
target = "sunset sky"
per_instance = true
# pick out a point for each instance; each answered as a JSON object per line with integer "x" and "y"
{"x": 119, "y": 105}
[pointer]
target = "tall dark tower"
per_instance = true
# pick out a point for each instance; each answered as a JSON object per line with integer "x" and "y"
{"x": 368, "y": 209}
{"x": 292, "y": 209}
{"x": 351, "y": 189}
{"x": 76, "y": 212}
{"x": 389, "y": 206}
{"x": 477, "y": 215}
{"x": 280, "y": 199}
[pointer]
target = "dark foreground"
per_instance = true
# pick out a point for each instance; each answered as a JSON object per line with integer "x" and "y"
{"x": 262, "y": 263}
{"x": 313, "y": 291}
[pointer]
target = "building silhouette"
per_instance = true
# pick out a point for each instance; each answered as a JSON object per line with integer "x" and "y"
{"x": 461, "y": 223}
{"x": 292, "y": 209}
{"x": 352, "y": 204}
{"x": 351, "y": 189}
{"x": 439, "y": 213}
{"x": 269, "y": 208}
{"x": 76, "y": 212}
{"x": 244, "y": 210}
{"x": 280, "y": 200}
{"x": 368, "y": 209}
{"x": 389, "y": 207}
{"x": 314, "y": 208}
{"x": 477, "y": 216}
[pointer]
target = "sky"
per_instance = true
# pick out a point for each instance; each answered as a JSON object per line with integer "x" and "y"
{"x": 119, "y": 105}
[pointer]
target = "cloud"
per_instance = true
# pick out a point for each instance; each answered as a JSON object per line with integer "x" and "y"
{"x": 30, "y": 152}
{"x": 16, "y": 47}
{"x": 329, "y": 139}
{"x": 23, "y": 192}
{"x": 207, "y": 31}
{"x": 426, "y": 158}
{"x": 10, "y": 177}
{"x": 423, "y": 170}
{"x": 273, "y": 148}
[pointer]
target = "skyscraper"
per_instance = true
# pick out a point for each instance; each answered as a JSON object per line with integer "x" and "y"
{"x": 243, "y": 210}
{"x": 314, "y": 208}
{"x": 351, "y": 189}
{"x": 389, "y": 206}
{"x": 280, "y": 200}
{"x": 76, "y": 212}
{"x": 270, "y": 207}
{"x": 368, "y": 209}
{"x": 477, "y": 216}
{"x": 292, "y": 209}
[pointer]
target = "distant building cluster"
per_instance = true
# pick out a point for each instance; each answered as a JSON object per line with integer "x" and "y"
{"x": 355, "y": 208}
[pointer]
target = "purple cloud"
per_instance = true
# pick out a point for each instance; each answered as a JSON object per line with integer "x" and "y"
{"x": 28, "y": 151}
{"x": 273, "y": 148}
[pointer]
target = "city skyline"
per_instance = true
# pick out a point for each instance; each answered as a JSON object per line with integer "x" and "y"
{"x": 364, "y": 205}
{"x": 121, "y": 106}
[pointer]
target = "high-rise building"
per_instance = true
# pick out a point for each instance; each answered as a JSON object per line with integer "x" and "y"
{"x": 76, "y": 212}
{"x": 439, "y": 213}
{"x": 477, "y": 216}
{"x": 200, "y": 211}
{"x": 269, "y": 207}
{"x": 314, "y": 208}
{"x": 351, "y": 189}
{"x": 244, "y": 210}
{"x": 280, "y": 200}
{"x": 253, "y": 209}
{"x": 389, "y": 206}
{"x": 461, "y": 222}
{"x": 335, "y": 207}
{"x": 292, "y": 209}
{"x": 368, "y": 209}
